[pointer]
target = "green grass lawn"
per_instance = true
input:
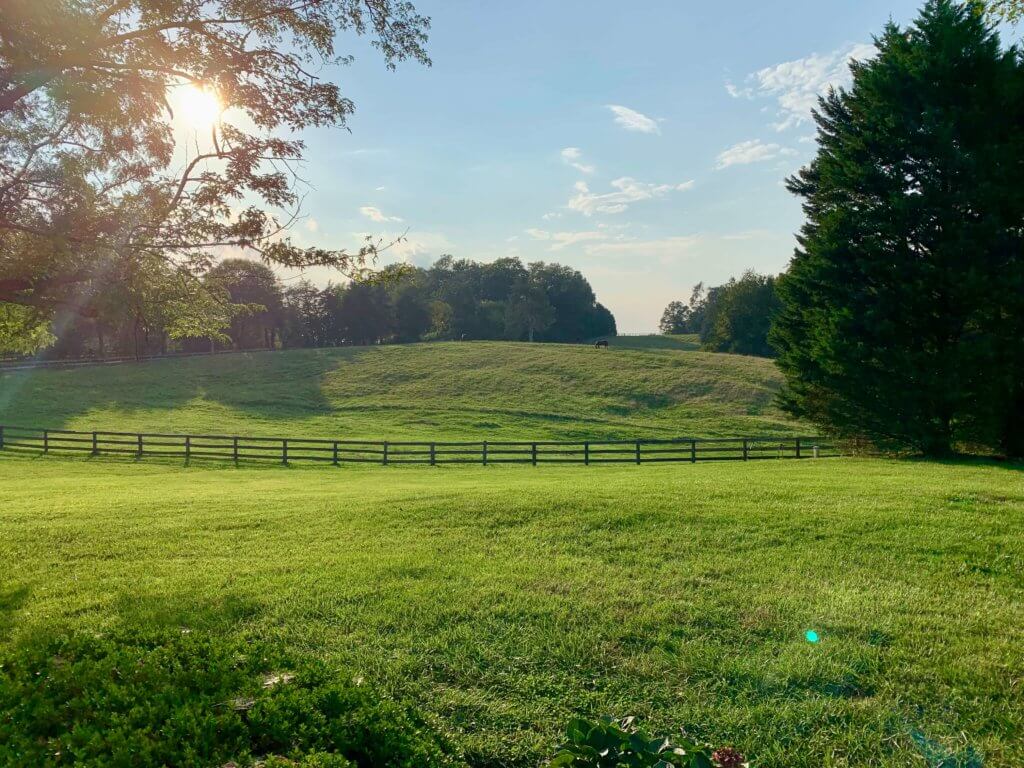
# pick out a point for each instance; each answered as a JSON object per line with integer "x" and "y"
{"x": 470, "y": 390}
{"x": 504, "y": 600}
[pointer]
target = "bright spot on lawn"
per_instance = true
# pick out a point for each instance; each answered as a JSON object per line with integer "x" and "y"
{"x": 811, "y": 635}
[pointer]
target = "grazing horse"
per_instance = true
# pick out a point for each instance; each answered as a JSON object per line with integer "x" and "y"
{"x": 602, "y": 344}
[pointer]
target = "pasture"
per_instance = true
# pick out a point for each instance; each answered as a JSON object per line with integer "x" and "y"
{"x": 505, "y": 600}
{"x": 467, "y": 390}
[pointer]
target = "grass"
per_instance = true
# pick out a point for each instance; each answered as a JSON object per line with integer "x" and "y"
{"x": 505, "y": 600}
{"x": 471, "y": 390}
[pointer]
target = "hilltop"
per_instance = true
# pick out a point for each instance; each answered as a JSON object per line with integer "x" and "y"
{"x": 641, "y": 386}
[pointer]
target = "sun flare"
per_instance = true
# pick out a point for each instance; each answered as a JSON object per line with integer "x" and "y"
{"x": 198, "y": 108}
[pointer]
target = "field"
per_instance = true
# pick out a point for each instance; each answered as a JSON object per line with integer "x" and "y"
{"x": 471, "y": 390}
{"x": 505, "y": 600}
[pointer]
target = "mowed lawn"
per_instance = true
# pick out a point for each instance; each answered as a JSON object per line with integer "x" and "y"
{"x": 467, "y": 390}
{"x": 506, "y": 599}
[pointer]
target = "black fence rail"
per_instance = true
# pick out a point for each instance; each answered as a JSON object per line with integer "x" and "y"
{"x": 237, "y": 448}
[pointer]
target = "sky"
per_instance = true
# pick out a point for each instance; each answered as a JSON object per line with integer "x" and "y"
{"x": 643, "y": 143}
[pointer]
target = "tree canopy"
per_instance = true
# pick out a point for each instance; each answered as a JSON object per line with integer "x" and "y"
{"x": 903, "y": 305}
{"x": 92, "y": 181}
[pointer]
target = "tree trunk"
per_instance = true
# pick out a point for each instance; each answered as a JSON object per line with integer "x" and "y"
{"x": 1012, "y": 439}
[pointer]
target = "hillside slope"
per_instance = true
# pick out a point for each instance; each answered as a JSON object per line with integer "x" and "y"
{"x": 455, "y": 390}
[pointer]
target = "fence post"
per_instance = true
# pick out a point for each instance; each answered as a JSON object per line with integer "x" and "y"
{"x": 284, "y": 451}
{"x": 744, "y": 449}
{"x": 234, "y": 448}
{"x": 637, "y": 451}
{"x": 335, "y": 453}
{"x": 188, "y": 448}
{"x": 586, "y": 454}
{"x": 46, "y": 441}
{"x": 385, "y": 453}
{"x": 485, "y": 453}
{"x": 433, "y": 457}
{"x": 1, "y": 437}
{"x": 815, "y": 451}
{"x": 138, "y": 453}
{"x": 534, "y": 453}
{"x": 798, "y": 447}
{"x": 693, "y": 451}
{"x": 95, "y": 446}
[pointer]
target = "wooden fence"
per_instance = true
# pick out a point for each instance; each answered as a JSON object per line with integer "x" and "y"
{"x": 286, "y": 450}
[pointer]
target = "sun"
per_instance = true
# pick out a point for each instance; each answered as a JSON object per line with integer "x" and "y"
{"x": 198, "y": 108}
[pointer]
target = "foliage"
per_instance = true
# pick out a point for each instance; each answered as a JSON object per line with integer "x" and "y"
{"x": 188, "y": 698}
{"x": 675, "y": 319}
{"x": 1008, "y": 10}
{"x": 611, "y": 744}
{"x": 91, "y": 169}
{"x": 22, "y": 331}
{"x": 738, "y": 316}
{"x": 903, "y": 308}
{"x": 240, "y": 303}
{"x": 734, "y": 317}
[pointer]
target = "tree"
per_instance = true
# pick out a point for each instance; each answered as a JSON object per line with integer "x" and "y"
{"x": 1009, "y": 10}
{"x": 364, "y": 313}
{"x": 412, "y": 314}
{"x": 902, "y": 306}
{"x": 252, "y": 283}
{"x": 675, "y": 318}
{"x": 528, "y": 311}
{"x": 89, "y": 167}
{"x": 740, "y": 316}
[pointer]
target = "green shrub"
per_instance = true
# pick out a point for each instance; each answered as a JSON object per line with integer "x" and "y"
{"x": 611, "y": 744}
{"x": 188, "y": 699}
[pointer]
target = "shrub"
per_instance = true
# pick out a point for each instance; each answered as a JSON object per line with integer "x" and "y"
{"x": 610, "y": 744}
{"x": 192, "y": 700}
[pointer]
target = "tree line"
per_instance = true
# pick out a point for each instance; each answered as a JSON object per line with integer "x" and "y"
{"x": 734, "y": 317}
{"x": 900, "y": 319}
{"x": 453, "y": 299}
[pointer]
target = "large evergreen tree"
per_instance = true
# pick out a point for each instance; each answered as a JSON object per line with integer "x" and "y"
{"x": 903, "y": 303}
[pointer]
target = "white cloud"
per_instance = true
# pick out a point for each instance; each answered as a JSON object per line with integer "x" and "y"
{"x": 665, "y": 250}
{"x": 797, "y": 84}
{"x": 572, "y": 156}
{"x": 560, "y": 240}
{"x": 312, "y": 225}
{"x": 627, "y": 191}
{"x": 632, "y": 120}
{"x": 753, "y": 151}
{"x": 551, "y": 216}
{"x": 373, "y": 213}
{"x": 379, "y": 189}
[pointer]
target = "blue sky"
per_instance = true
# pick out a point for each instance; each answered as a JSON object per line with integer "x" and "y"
{"x": 643, "y": 143}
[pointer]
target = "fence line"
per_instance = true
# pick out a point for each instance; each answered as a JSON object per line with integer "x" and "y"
{"x": 285, "y": 450}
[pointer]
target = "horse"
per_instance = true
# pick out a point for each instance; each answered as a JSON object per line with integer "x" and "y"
{"x": 602, "y": 344}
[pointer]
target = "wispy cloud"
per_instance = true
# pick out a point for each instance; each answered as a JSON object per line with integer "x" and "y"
{"x": 560, "y": 240}
{"x": 753, "y": 151}
{"x": 373, "y": 213}
{"x": 626, "y": 192}
{"x": 797, "y": 84}
{"x": 632, "y": 120}
{"x": 573, "y": 156}
{"x": 664, "y": 249}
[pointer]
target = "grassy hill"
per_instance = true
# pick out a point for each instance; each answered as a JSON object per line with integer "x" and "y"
{"x": 505, "y": 600}
{"x": 641, "y": 387}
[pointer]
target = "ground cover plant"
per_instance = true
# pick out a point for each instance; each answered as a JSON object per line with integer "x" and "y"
{"x": 503, "y": 602}
{"x": 182, "y": 698}
{"x": 470, "y": 390}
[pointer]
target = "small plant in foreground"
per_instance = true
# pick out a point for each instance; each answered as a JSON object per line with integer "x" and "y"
{"x": 612, "y": 744}
{"x": 188, "y": 699}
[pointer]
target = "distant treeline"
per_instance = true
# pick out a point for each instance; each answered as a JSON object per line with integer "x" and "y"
{"x": 453, "y": 299}
{"x": 734, "y": 317}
